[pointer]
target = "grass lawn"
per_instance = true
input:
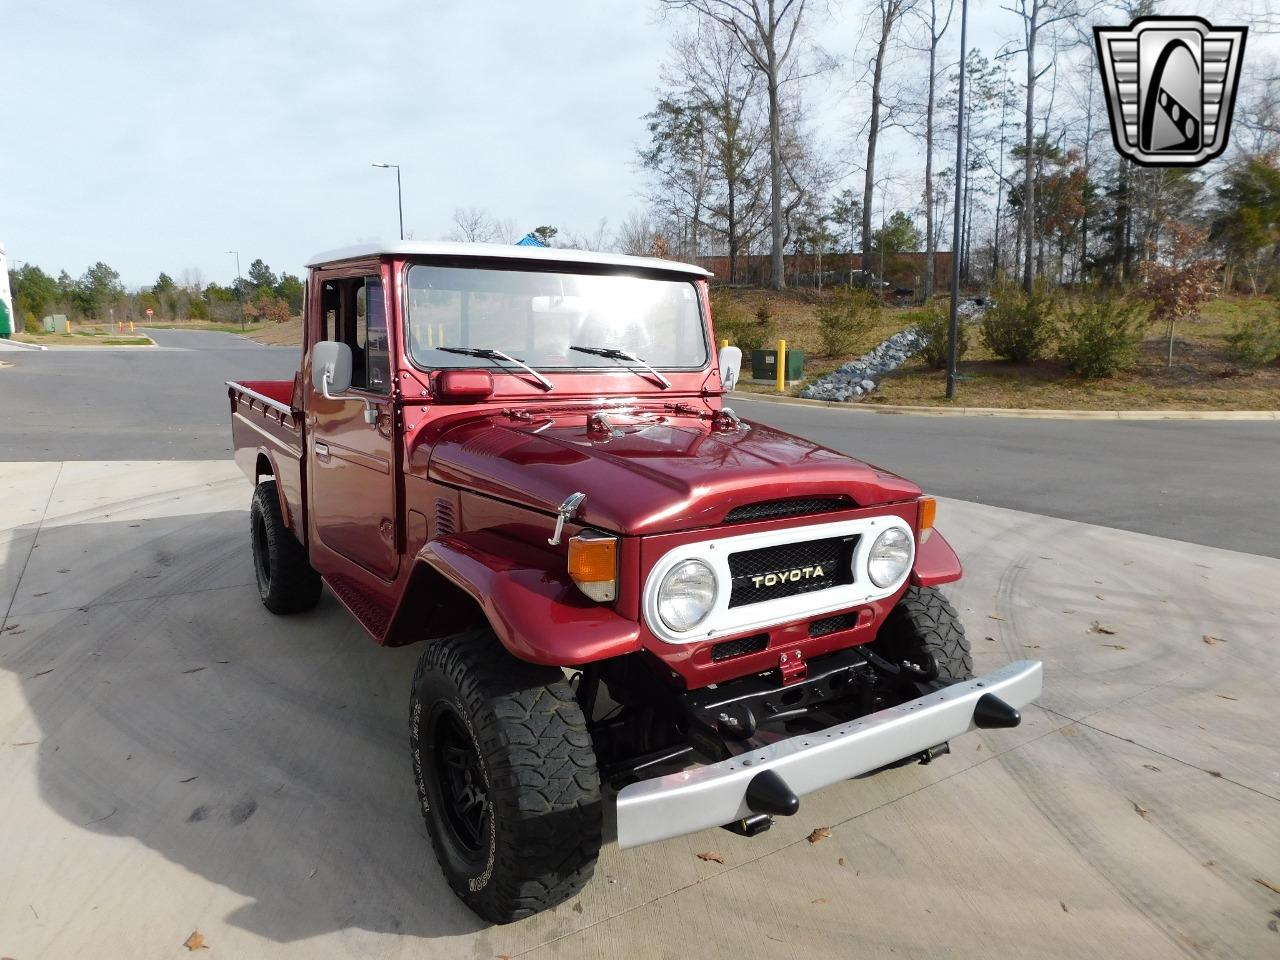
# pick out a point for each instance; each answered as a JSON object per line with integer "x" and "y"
{"x": 1201, "y": 378}
{"x": 274, "y": 334}
{"x": 86, "y": 335}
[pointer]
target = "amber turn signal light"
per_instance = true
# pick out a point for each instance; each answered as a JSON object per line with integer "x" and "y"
{"x": 928, "y": 511}
{"x": 593, "y": 564}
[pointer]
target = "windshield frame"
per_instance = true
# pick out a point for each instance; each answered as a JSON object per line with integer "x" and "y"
{"x": 553, "y": 266}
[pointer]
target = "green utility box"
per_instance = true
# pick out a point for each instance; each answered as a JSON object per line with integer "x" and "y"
{"x": 764, "y": 365}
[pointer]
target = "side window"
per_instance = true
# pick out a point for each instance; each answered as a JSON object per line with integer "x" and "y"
{"x": 374, "y": 372}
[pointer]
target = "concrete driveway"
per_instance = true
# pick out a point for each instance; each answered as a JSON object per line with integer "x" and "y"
{"x": 173, "y": 758}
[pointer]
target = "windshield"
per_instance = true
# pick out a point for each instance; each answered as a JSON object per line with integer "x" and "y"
{"x": 537, "y": 317}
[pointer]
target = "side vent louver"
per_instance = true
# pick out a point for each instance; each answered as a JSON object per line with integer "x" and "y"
{"x": 445, "y": 520}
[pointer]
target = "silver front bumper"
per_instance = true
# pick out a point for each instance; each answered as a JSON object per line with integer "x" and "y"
{"x": 715, "y": 794}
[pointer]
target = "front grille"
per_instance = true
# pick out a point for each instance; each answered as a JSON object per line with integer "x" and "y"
{"x": 790, "y": 569}
{"x": 776, "y": 509}
{"x": 739, "y": 647}
{"x": 841, "y": 621}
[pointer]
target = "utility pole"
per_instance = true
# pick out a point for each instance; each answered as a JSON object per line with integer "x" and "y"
{"x": 953, "y": 327}
{"x": 399, "y": 195}
{"x": 239, "y": 288}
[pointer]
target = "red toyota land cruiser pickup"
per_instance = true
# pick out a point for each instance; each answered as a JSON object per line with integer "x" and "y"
{"x": 521, "y": 457}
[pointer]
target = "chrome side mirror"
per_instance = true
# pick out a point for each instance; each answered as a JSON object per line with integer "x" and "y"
{"x": 331, "y": 368}
{"x": 730, "y": 366}
{"x": 331, "y": 375}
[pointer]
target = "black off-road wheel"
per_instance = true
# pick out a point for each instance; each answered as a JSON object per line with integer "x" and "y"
{"x": 924, "y": 628}
{"x": 286, "y": 581}
{"x": 506, "y": 777}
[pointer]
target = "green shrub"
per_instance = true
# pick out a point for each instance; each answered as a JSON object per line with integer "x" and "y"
{"x": 846, "y": 318}
{"x": 934, "y": 325}
{"x": 1100, "y": 333}
{"x": 1254, "y": 341}
{"x": 745, "y": 332}
{"x": 1019, "y": 326}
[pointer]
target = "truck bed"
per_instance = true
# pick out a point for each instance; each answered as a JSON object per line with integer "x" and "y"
{"x": 266, "y": 431}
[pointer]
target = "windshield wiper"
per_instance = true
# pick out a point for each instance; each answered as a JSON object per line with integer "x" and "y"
{"x": 612, "y": 353}
{"x": 485, "y": 353}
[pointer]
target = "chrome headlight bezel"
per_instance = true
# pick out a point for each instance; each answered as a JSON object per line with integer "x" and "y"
{"x": 895, "y": 550}
{"x": 686, "y": 574}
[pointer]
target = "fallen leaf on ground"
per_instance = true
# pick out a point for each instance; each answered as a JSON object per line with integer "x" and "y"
{"x": 819, "y": 833}
{"x": 992, "y": 616}
{"x": 712, "y": 856}
{"x": 1139, "y": 809}
{"x": 1225, "y": 697}
{"x": 841, "y": 861}
{"x": 1100, "y": 596}
{"x": 992, "y": 639}
{"x": 189, "y": 779}
{"x": 1097, "y": 627}
{"x": 1211, "y": 640}
{"x": 820, "y": 900}
{"x": 195, "y": 941}
{"x": 1152, "y": 766}
{"x": 1063, "y": 905}
{"x": 193, "y": 670}
{"x": 24, "y": 743}
{"x": 41, "y": 673}
{"x": 1116, "y": 646}
{"x": 1270, "y": 886}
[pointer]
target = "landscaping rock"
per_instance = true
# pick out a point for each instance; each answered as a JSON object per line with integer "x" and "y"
{"x": 859, "y": 377}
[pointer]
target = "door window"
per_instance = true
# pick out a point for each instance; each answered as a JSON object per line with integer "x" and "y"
{"x": 353, "y": 311}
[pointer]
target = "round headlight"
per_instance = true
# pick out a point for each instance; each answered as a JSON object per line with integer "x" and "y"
{"x": 890, "y": 557}
{"x": 686, "y": 595}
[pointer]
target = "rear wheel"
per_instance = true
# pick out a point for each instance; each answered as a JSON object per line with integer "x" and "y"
{"x": 506, "y": 777}
{"x": 923, "y": 628}
{"x": 286, "y": 581}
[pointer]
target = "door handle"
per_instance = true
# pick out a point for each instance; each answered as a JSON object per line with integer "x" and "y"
{"x": 322, "y": 452}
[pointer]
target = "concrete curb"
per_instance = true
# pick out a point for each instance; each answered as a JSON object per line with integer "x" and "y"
{"x": 1014, "y": 413}
{"x": 20, "y": 345}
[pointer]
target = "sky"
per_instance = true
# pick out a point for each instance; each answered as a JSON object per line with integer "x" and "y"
{"x": 157, "y": 136}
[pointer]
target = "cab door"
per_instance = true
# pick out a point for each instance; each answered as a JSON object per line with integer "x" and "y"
{"x": 353, "y": 477}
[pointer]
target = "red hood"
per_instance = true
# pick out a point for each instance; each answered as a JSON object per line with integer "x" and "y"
{"x": 676, "y": 474}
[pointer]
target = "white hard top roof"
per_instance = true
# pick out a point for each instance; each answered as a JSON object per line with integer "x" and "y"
{"x": 425, "y": 248}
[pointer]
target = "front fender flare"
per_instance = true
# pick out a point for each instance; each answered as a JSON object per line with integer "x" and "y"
{"x": 936, "y": 562}
{"x": 528, "y": 599}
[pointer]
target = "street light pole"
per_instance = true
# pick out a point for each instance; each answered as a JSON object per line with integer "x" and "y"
{"x": 953, "y": 327}
{"x": 239, "y": 288}
{"x": 399, "y": 195}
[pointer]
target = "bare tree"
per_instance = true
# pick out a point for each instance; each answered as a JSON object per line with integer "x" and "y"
{"x": 192, "y": 280}
{"x": 937, "y": 23}
{"x": 709, "y": 67}
{"x": 636, "y": 234}
{"x": 597, "y": 240}
{"x": 472, "y": 225}
{"x": 766, "y": 30}
{"x": 1037, "y": 16}
{"x": 506, "y": 231}
{"x": 889, "y": 13}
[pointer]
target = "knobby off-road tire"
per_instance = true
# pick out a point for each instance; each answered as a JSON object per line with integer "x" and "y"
{"x": 924, "y": 624}
{"x": 506, "y": 777}
{"x": 286, "y": 581}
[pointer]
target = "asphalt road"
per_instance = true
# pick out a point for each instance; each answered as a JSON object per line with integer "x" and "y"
{"x": 1206, "y": 482}
{"x": 166, "y": 402}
